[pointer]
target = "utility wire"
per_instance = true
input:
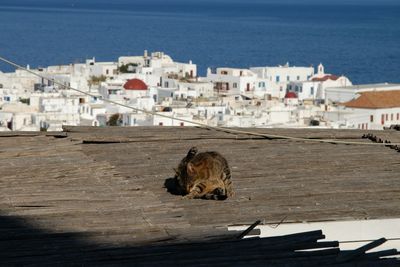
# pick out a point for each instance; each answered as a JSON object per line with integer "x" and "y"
{"x": 229, "y": 130}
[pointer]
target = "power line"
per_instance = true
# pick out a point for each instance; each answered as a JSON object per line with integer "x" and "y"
{"x": 229, "y": 130}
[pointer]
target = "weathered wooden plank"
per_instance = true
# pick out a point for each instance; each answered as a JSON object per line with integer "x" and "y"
{"x": 114, "y": 193}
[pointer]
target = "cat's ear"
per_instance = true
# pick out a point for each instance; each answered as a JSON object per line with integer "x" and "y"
{"x": 190, "y": 169}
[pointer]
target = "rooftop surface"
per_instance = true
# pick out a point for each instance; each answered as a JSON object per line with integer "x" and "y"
{"x": 105, "y": 187}
{"x": 368, "y": 86}
{"x": 376, "y": 99}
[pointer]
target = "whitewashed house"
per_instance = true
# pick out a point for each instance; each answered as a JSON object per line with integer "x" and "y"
{"x": 369, "y": 110}
{"x": 277, "y": 78}
{"x": 194, "y": 89}
{"x": 232, "y": 81}
{"x": 163, "y": 121}
{"x": 347, "y": 93}
{"x": 315, "y": 87}
{"x": 137, "y": 119}
{"x": 89, "y": 113}
{"x": 18, "y": 117}
{"x": 55, "y": 109}
{"x": 156, "y": 67}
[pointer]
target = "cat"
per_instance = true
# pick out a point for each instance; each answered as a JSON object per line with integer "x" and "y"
{"x": 204, "y": 175}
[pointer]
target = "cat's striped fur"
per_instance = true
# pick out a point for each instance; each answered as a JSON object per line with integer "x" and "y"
{"x": 204, "y": 175}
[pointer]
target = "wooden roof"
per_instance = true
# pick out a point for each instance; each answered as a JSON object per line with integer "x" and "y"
{"x": 106, "y": 186}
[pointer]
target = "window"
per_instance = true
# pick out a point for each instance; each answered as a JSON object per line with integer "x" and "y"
{"x": 277, "y": 78}
{"x": 371, "y": 118}
{"x": 296, "y": 88}
{"x": 308, "y": 77}
{"x": 107, "y": 72}
{"x": 391, "y": 117}
{"x": 398, "y": 116}
{"x": 224, "y": 72}
{"x": 160, "y": 124}
{"x": 312, "y": 90}
{"x": 288, "y": 78}
{"x": 166, "y": 84}
{"x": 182, "y": 124}
{"x": 234, "y": 85}
{"x": 298, "y": 78}
{"x": 301, "y": 89}
{"x": 383, "y": 119}
{"x": 387, "y": 117}
{"x": 1, "y": 85}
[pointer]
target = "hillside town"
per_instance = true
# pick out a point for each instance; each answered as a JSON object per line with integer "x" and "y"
{"x": 120, "y": 94}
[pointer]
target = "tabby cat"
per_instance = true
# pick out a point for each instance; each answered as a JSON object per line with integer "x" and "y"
{"x": 204, "y": 175}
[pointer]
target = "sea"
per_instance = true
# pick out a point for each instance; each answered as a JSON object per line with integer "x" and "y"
{"x": 356, "y": 38}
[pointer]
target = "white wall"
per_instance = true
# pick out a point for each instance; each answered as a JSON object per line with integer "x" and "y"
{"x": 240, "y": 81}
{"x": 361, "y": 118}
{"x": 277, "y": 78}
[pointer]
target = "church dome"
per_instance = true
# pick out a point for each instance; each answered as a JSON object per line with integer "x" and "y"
{"x": 290, "y": 95}
{"x": 135, "y": 84}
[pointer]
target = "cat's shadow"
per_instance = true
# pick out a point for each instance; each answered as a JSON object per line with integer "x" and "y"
{"x": 171, "y": 184}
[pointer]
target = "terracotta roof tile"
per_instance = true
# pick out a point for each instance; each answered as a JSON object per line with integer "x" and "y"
{"x": 325, "y": 78}
{"x": 375, "y": 100}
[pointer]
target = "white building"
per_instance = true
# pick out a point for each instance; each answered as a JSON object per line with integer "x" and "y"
{"x": 347, "y": 93}
{"x": 19, "y": 82}
{"x": 55, "y": 109}
{"x": 232, "y": 81}
{"x": 277, "y": 78}
{"x": 18, "y": 117}
{"x": 163, "y": 121}
{"x": 370, "y": 110}
{"x": 314, "y": 88}
{"x": 194, "y": 89}
{"x": 137, "y": 119}
{"x": 158, "y": 64}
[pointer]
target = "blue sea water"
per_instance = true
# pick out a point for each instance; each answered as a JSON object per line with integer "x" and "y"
{"x": 360, "y": 39}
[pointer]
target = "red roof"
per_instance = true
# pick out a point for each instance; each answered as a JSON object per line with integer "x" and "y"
{"x": 375, "y": 100}
{"x": 290, "y": 95}
{"x": 135, "y": 84}
{"x": 324, "y": 78}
